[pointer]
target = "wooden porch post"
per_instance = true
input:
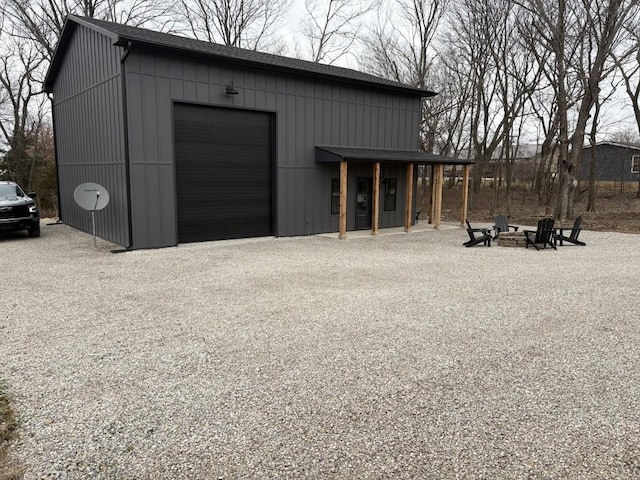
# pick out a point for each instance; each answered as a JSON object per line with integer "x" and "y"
{"x": 409, "y": 199}
{"x": 465, "y": 195}
{"x": 437, "y": 187}
{"x": 343, "y": 201}
{"x": 376, "y": 198}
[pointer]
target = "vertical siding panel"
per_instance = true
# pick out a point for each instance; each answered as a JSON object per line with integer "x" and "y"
{"x": 163, "y": 68}
{"x": 366, "y": 126}
{"x": 202, "y": 73}
{"x": 290, "y": 189}
{"x": 344, "y": 123}
{"x": 301, "y": 128}
{"x": 88, "y": 122}
{"x": 271, "y": 101}
{"x": 167, "y": 205}
{"x": 335, "y": 124}
{"x": 138, "y": 204}
{"x": 202, "y": 93}
{"x": 249, "y": 98}
{"x": 165, "y": 127}
{"x": 177, "y": 89}
{"x": 300, "y": 190}
{"x": 135, "y": 118}
{"x": 190, "y": 91}
{"x": 281, "y": 194}
{"x": 189, "y": 71}
{"x": 351, "y": 125}
{"x": 260, "y": 100}
{"x": 175, "y": 69}
{"x": 395, "y": 124}
{"x": 291, "y": 129}
{"x": 326, "y": 122}
{"x": 311, "y": 122}
{"x": 153, "y": 217}
{"x": 359, "y": 125}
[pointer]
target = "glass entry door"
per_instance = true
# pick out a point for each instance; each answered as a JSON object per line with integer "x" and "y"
{"x": 364, "y": 189}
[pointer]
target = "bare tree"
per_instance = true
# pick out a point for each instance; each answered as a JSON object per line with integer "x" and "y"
{"x": 401, "y": 47}
{"x": 17, "y": 122}
{"x": 331, "y": 27}
{"x": 484, "y": 43}
{"x": 241, "y": 23}
{"x": 41, "y": 21}
{"x": 580, "y": 34}
{"x": 628, "y": 64}
{"x": 444, "y": 128}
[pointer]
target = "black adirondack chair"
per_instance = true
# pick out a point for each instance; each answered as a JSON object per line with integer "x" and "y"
{"x": 542, "y": 237}
{"x": 484, "y": 236}
{"x": 560, "y": 236}
{"x": 502, "y": 225}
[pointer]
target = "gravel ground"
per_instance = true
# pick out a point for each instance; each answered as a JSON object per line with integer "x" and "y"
{"x": 400, "y": 356}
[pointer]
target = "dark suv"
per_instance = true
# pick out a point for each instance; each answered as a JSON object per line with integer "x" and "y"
{"x": 18, "y": 211}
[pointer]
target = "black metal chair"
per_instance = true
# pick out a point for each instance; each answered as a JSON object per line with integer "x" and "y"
{"x": 484, "y": 237}
{"x": 542, "y": 237}
{"x": 502, "y": 225}
{"x": 560, "y": 237}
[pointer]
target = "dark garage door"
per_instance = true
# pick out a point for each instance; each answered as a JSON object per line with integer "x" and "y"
{"x": 223, "y": 173}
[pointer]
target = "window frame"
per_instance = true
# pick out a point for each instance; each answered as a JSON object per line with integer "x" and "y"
{"x": 635, "y": 161}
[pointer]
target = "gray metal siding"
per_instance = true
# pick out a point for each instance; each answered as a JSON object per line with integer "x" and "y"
{"x": 613, "y": 163}
{"x": 90, "y": 134}
{"x": 307, "y": 113}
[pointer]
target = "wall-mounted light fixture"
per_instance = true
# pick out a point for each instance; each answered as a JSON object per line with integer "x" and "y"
{"x": 230, "y": 90}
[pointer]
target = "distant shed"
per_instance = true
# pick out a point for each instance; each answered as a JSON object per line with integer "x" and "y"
{"x": 617, "y": 163}
{"x": 197, "y": 141}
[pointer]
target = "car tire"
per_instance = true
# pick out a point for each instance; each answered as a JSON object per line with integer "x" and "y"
{"x": 34, "y": 232}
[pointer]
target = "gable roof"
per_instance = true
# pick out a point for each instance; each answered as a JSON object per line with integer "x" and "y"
{"x": 123, "y": 35}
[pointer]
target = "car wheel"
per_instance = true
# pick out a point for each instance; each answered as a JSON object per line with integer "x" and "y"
{"x": 34, "y": 232}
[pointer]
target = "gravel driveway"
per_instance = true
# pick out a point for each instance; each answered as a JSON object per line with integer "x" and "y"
{"x": 400, "y": 356}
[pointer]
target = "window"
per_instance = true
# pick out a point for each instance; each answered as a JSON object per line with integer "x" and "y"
{"x": 635, "y": 164}
{"x": 335, "y": 196}
{"x": 390, "y": 185}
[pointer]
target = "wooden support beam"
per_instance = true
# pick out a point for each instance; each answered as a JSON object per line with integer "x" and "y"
{"x": 437, "y": 187}
{"x": 343, "y": 201}
{"x": 465, "y": 195}
{"x": 376, "y": 199}
{"x": 409, "y": 199}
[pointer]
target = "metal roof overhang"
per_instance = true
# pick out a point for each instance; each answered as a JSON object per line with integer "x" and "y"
{"x": 331, "y": 154}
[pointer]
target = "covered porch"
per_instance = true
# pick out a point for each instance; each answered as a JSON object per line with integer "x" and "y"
{"x": 410, "y": 160}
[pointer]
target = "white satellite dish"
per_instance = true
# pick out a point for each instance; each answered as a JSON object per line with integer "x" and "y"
{"x": 91, "y": 196}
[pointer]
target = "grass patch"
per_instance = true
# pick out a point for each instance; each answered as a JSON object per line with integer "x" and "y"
{"x": 8, "y": 430}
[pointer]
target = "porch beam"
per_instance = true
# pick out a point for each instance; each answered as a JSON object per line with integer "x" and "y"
{"x": 343, "y": 201}
{"x": 409, "y": 199}
{"x": 376, "y": 199}
{"x": 465, "y": 195}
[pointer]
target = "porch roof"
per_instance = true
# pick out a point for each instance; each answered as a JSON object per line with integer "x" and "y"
{"x": 336, "y": 154}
